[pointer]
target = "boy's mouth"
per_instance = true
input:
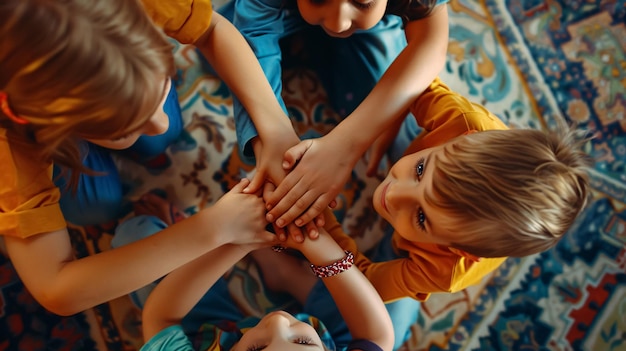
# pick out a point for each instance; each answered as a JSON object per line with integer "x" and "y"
{"x": 383, "y": 196}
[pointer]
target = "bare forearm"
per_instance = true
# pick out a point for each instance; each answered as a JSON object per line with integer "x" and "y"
{"x": 181, "y": 290}
{"x": 357, "y": 301}
{"x": 66, "y": 286}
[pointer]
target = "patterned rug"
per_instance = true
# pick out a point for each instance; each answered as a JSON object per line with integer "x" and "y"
{"x": 532, "y": 62}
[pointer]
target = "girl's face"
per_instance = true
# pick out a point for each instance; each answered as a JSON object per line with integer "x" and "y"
{"x": 156, "y": 125}
{"x": 280, "y": 331}
{"x": 341, "y": 18}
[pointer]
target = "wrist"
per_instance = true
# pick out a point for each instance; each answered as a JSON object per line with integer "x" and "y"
{"x": 338, "y": 266}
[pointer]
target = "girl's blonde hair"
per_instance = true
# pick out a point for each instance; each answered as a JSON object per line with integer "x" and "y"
{"x": 511, "y": 192}
{"x": 79, "y": 69}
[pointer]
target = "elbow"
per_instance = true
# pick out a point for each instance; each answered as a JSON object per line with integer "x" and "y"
{"x": 62, "y": 304}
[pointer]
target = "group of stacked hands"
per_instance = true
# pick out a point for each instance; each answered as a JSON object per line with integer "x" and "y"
{"x": 463, "y": 191}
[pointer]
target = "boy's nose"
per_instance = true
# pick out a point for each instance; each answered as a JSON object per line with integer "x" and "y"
{"x": 157, "y": 125}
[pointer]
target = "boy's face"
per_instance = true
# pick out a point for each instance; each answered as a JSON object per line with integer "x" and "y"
{"x": 341, "y": 18}
{"x": 158, "y": 124}
{"x": 400, "y": 198}
{"x": 280, "y": 331}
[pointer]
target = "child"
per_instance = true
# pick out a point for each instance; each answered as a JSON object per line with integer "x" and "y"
{"x": 77, "y": 71}
{"x": 468, "y": 193}
{"x": 369, "y": 326}
{"x": 373, "y": 57}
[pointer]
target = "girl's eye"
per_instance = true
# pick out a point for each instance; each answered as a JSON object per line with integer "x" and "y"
{"x": 363, "y": 5}
{"x": 254, "y": 348}
{"x": 421, "y": 219}
{"x": 303, "y": 340}
{"x": 419, "y": 167}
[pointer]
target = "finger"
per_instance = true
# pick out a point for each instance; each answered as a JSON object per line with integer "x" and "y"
{"x": 295, "y": 233}
{"x": 281, "y": 233}
{"x": 256, "y": 183}
{"x": 298, "y": 208}
{"x": 319, "y": 220}
{"x": 311, "y": 229}
{"x": 295, "y": 153}
{"x": 284, "y": 197}
{"x": 268, "y": 190}
{"x": 333, "y": 204}
{"x": 316, "y": 209}
{"x": 238, "y": 188}
{"x": 267, "y": 237}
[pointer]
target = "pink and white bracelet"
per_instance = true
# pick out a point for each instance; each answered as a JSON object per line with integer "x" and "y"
{"x": 334, "y": 268}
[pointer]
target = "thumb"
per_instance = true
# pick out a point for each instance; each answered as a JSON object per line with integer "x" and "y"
{"x": 295, "y": 153}
{"x": 268, "y": 237}
{"x": 238, "y": 188}
{"x": 255, "y": 183}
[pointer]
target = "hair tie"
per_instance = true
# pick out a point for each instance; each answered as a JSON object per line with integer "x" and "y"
{"x": 6, "y": 109}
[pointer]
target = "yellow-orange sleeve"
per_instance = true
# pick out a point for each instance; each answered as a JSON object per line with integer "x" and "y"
{"x": 183, "y": 20}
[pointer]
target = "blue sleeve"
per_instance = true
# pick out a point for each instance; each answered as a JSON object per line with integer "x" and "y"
{"x": 263, "y": 23}
{"x": 169, "y": 339}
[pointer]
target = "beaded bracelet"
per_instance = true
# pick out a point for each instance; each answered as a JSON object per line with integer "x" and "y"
{"x": 334, "y": 268}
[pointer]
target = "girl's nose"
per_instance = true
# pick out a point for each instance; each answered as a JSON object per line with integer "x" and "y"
{"x": 339, "y": 21}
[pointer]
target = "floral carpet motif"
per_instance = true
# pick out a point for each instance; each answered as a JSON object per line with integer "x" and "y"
{"x": 533, "y": 63}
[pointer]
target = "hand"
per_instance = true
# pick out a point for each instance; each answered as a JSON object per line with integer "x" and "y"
{"x": 293, "y": 230}
{"x": 269, "y": 157}
{"x": 240, "y": 218}
{"x": 323, "y": 167}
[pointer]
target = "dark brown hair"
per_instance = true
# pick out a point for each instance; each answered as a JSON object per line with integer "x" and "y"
{"x": 410, "y": 10}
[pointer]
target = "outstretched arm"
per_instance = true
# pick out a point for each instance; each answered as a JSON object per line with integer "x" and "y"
{"x": 358, "y": 302}
{"x": 235, "y": 62}
{"x": 181, "y": 290}
{"x": 324, "y": 164}
{"x": 65, "y": 285}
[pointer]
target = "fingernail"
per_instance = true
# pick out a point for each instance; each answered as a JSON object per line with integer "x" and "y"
{"x": 269, "y": 218}
{"x": 299, "y": 238}
{"x": 285, "y": 164}
{"x": 299, "y": 222}
{"x": 280, "y": 222}
{"x": 245, "y": 190}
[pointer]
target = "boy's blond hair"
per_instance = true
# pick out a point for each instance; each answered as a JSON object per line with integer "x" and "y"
{"x": 511, "y": 192}
{"x": 79, "y": 69}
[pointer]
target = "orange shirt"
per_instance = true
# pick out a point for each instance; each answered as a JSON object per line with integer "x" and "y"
{"x": 429, "y": 268}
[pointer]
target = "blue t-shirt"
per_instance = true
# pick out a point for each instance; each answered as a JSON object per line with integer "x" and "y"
{"x": 263, "y": 23}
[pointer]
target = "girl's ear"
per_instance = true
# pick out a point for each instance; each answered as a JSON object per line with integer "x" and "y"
{"x": 467, "y": 255}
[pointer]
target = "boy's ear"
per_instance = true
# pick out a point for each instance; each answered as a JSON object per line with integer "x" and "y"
{"x": 467, "y": 255}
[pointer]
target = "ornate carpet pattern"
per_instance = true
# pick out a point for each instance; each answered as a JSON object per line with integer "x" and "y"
{"x": 533, "y": 63}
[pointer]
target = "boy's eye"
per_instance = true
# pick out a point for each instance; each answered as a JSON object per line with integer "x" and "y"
{"x": 419, "y": 167}
{"x": 421, "y": 219}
